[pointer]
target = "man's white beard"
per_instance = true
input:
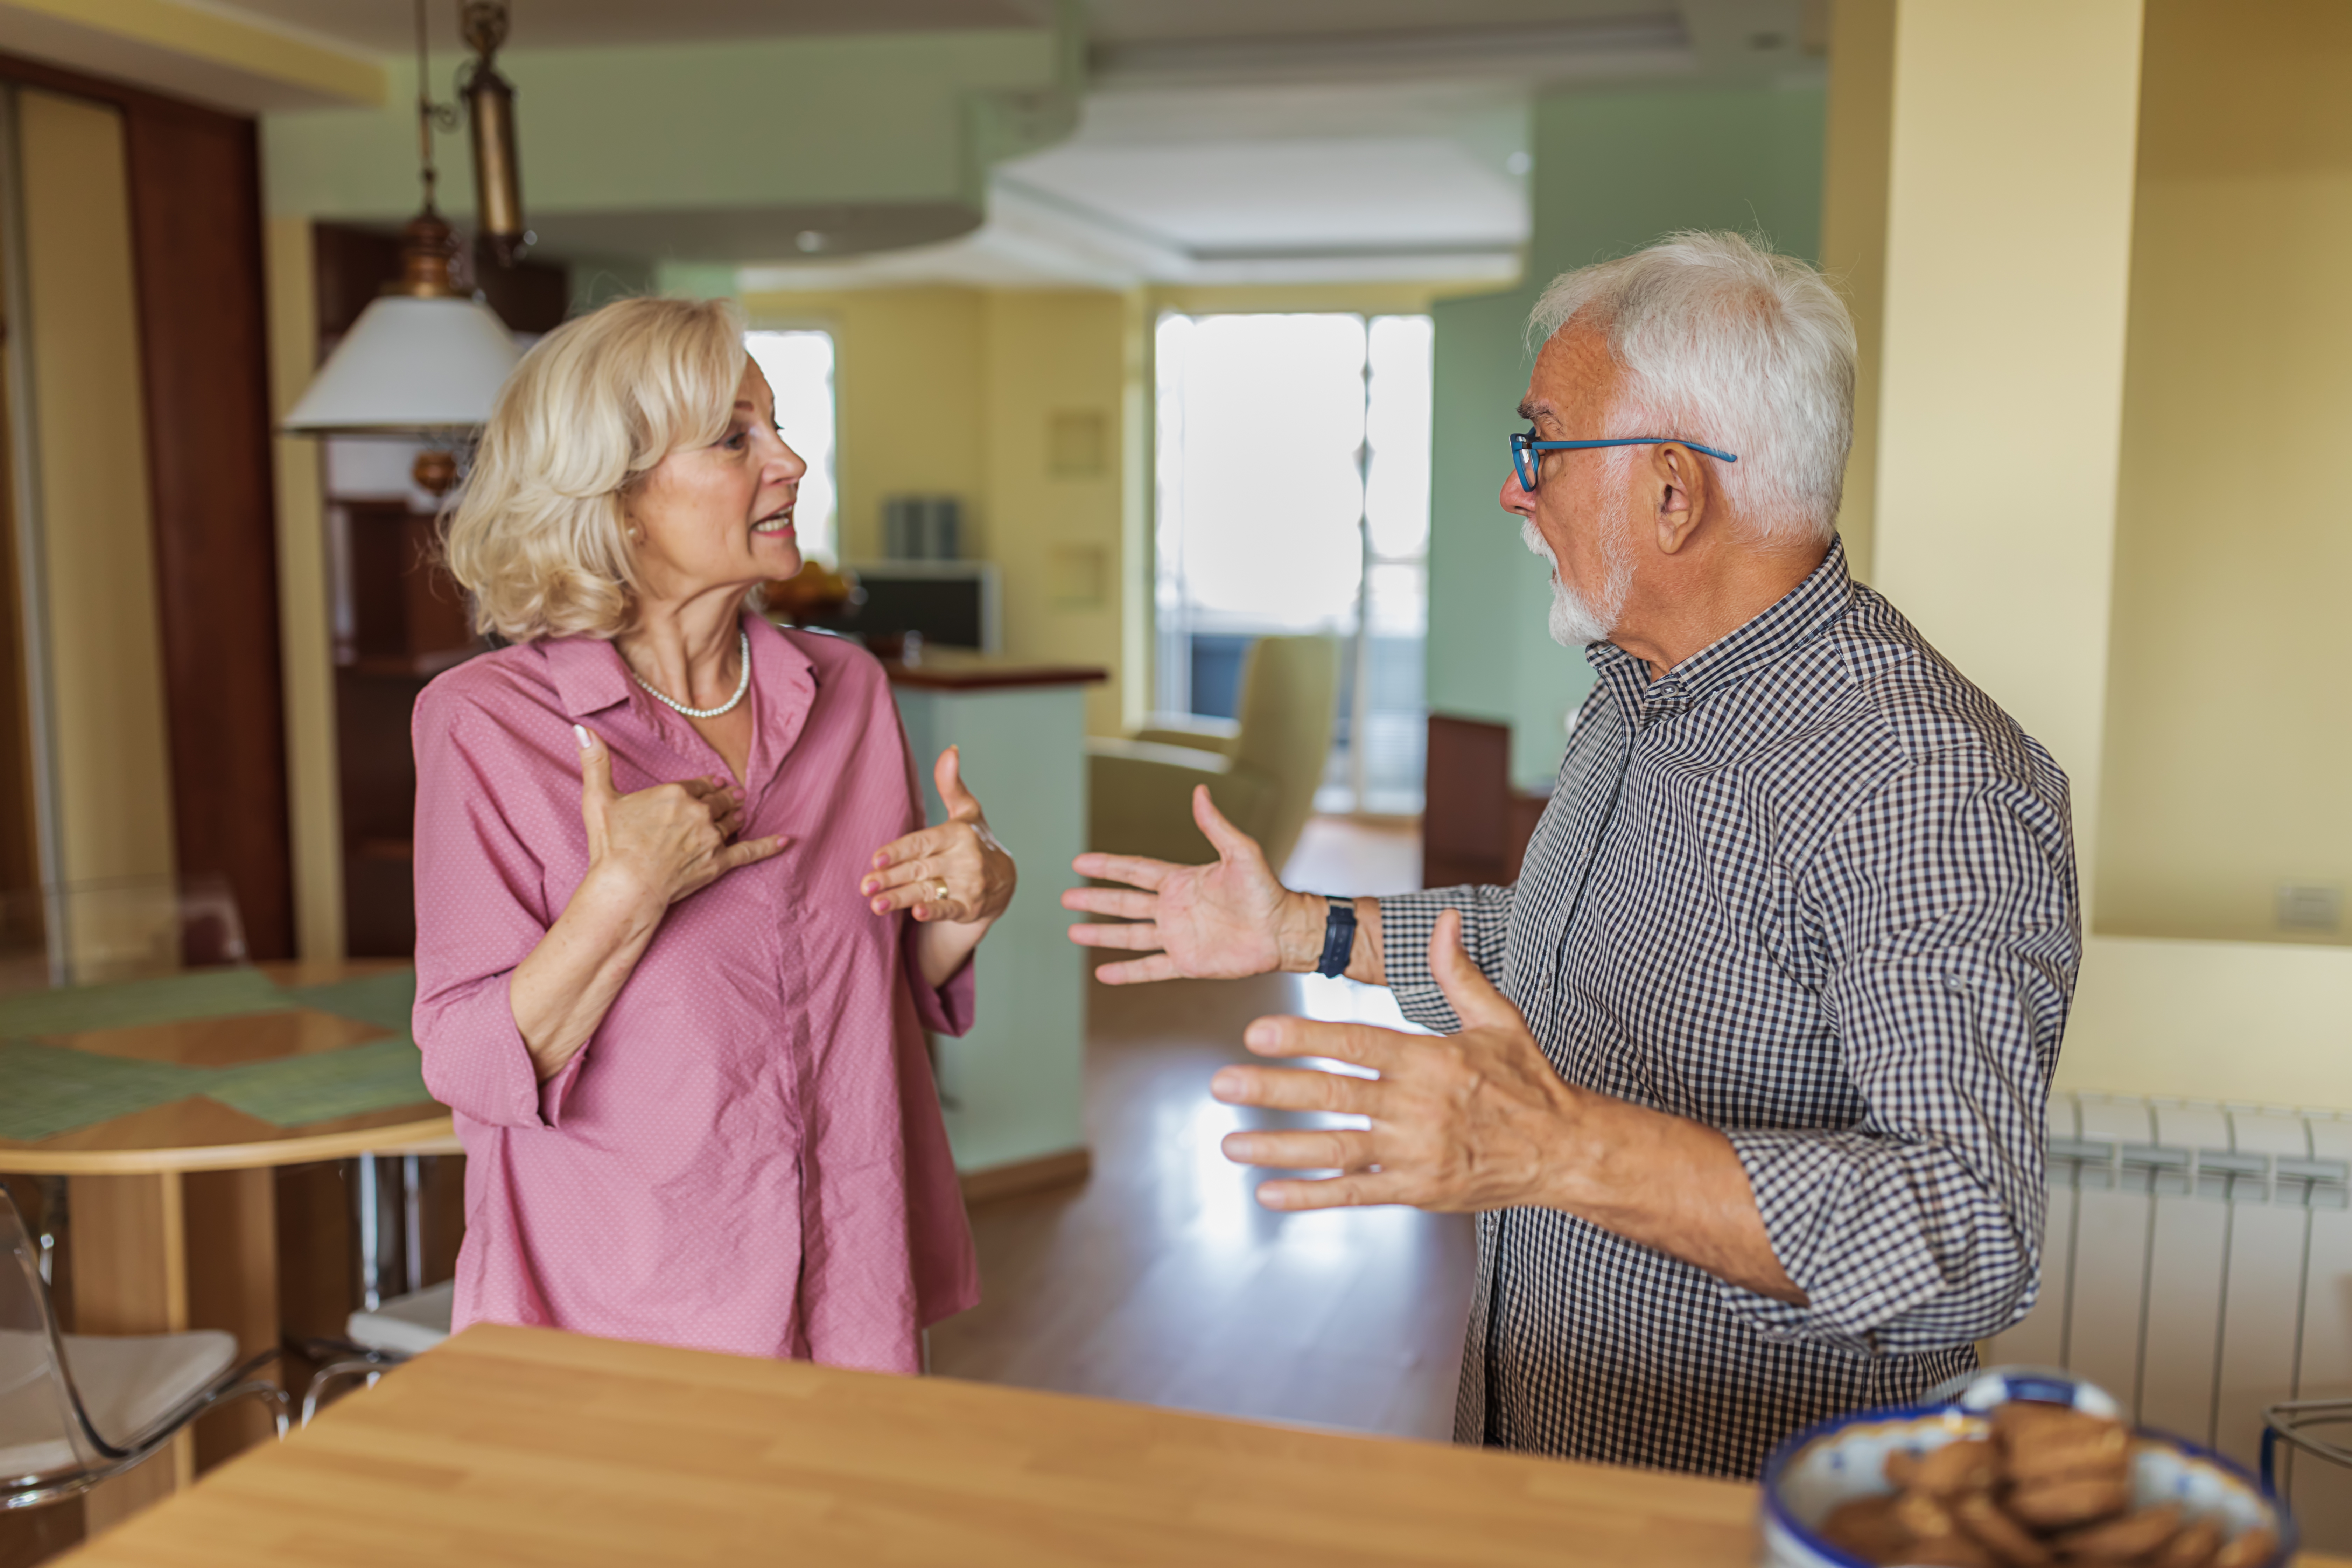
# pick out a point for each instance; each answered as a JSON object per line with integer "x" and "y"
{"x": 1573, "y": 622}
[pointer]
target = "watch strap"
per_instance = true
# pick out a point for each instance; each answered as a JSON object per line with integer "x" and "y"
{"x": 1338, "y": 937}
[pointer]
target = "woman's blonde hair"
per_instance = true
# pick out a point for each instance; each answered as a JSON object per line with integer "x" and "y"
{"x": 537, "y": 533}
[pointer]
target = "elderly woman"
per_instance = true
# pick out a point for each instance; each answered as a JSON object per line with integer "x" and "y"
{"x": 679, "y": 926}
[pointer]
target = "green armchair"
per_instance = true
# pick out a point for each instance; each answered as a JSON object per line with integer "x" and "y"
{"x": 1262, "y": 769}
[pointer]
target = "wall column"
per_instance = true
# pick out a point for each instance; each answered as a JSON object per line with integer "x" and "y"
{"x": 2010, "y": 154}
{"x": 2008, "y": 134}
{"x": 304, "y": 616}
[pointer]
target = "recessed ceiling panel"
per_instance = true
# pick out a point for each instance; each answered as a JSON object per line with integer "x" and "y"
{"x": 1153, "y": 21}
{"x": 1268, "y": 197}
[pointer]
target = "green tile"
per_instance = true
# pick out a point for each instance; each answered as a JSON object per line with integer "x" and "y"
{"x": 293, "y": 1090}
{"x": 385, "y": 1000}
{"x": 51, "y": 1089}
{"x": 48, "y": 1089}
{"x": 132, "y": 1004}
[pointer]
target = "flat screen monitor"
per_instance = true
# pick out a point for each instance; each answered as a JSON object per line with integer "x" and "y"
{"x": 950, "y": 603}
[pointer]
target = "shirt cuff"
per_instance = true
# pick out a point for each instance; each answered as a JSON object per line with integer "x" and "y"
{"x": 556, "y": 1092}
{"x": 476, "y": 1062}
{"x": 1406, "y": 921}
{"x": 1812, "y": 1191}
{"x": 945, "y": 1008}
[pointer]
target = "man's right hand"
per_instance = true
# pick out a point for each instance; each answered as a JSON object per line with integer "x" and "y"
{"x": 1218, "y": 922}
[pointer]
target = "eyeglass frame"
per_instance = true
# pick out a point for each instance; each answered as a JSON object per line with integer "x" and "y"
{"x": 1531, "y": 470}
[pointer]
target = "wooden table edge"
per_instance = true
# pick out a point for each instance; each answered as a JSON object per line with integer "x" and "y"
{"x": 393, "y": 1138}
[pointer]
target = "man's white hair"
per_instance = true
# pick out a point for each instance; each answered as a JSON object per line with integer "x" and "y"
{"x": 1725, "y": 343}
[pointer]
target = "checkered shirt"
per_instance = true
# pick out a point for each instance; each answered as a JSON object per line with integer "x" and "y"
{"x": 1815, "y": 888}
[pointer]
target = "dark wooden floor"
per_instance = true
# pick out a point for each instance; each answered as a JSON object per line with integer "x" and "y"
{"x": 1163, "y": 1281}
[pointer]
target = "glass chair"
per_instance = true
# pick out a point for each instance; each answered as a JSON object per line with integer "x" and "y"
{"x": 77, "y": 1408}
{"x": 381, "y": 1340}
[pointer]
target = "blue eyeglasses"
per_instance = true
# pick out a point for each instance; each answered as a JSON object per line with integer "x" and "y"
{"x": 1525, "y": 447}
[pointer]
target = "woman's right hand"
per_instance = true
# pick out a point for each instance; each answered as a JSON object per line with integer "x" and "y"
{"x": 667, "y": 841}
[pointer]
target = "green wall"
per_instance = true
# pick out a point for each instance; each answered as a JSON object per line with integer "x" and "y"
{"x": 1613, "y": 172}
{"x": 769, "y": 123}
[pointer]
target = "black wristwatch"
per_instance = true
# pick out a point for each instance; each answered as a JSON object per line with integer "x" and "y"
{"x": 1338, "y": 937}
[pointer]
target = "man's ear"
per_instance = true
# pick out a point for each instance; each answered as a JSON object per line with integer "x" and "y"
{"x": 1679, "y": 482}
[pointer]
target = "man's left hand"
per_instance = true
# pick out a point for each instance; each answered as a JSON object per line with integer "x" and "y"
{"x": 1460, "y": 1123}
{"x": 1480, "y": 1120}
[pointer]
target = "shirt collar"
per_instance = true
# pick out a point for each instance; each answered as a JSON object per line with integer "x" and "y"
{"x": 588, "y": 674}
{"x": 1797, "y": 617}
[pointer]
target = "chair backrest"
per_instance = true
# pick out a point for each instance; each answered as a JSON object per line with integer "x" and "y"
{"x": 1289, "y": 697}
{"x": 1465, "y": 824}
{"x": 46, "y": 1439}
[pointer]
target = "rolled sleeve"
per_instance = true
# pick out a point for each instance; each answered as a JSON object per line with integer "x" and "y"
{"x": 1952, "y": 954}
{"x": 945, "y": 1008}
{"x": 1407, "y": 921}
{"x": 477, "y": 893}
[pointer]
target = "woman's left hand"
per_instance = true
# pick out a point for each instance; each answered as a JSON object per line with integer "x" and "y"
{"x": 956, "y": 873}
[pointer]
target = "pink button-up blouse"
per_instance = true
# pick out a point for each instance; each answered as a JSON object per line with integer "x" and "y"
{"x": 748, "y": 1155}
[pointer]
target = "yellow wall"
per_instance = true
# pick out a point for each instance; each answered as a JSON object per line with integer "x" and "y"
{"x": 2229, "y": 742}
{"x": 111, "y": 766}
{"x": 1371, "y": 298}
{"x": 2091, "y": 283}
{"x": 907, "y": 386}
{"x": 1056, "y": 367}
{"x": 958, "y": 391}
{"x": 2008, "y": 257}
{"x": 313, "y": 768}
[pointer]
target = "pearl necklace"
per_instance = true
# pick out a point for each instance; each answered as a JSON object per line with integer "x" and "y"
{"x": 727, "y": 707}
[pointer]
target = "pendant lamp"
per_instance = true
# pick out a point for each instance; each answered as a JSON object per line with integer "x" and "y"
{"x": 422, "y": 359}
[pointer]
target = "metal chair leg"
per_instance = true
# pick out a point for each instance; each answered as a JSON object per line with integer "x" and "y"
{"x": 335, "y": 1372}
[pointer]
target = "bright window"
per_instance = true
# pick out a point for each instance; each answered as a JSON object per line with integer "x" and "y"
{"x": 798, "y": 368}
{"x": 1294, "y": 497}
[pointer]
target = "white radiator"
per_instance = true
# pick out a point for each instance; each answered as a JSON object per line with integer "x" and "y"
{"x": 2199, "y": 1265}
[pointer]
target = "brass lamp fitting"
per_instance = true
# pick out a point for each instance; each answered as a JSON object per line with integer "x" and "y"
{"x": 489, "y": 110}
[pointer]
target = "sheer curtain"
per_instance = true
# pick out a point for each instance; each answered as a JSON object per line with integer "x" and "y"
{"x": 1294, "y": 497}
{"x": 798, "y": 364}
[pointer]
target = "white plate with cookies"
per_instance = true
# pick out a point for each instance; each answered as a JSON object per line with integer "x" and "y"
{"x": 2014, "y": 1468}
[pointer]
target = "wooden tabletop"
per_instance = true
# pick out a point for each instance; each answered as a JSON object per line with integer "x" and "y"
{"x": 529, "y": 1446}
{"x": 198, "y": 1134}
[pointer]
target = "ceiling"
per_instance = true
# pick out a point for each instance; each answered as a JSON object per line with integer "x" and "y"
{"x": 388, "y": 27}
{"x": 1219, "y": 140}
{"x": 385, "y": 27}
{"x": 1263, "y": 141}
{"x": 1243, "y": 183}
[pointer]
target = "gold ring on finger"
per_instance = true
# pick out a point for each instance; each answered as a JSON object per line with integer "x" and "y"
{"x": 939, "y": 892}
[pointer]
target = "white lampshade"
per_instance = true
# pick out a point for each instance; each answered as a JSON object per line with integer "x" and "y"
{"x": 409, "y": 366}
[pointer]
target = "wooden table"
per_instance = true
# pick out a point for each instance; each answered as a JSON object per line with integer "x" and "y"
{"x": 174, "y": 1208}
{"x": 526, "y": 1446}
{"x": 529, "y": 1446}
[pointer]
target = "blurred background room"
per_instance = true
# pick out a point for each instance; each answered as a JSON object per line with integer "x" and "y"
{"x": 1153, "y": 361}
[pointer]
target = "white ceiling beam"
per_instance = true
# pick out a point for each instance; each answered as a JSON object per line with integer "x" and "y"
{"x": 214, "y": 57}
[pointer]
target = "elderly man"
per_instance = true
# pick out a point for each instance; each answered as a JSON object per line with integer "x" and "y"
{"x": 1745, "y": 1077}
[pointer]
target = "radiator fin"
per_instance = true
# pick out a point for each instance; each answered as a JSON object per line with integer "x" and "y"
{"x": 2198, "y": 1265}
